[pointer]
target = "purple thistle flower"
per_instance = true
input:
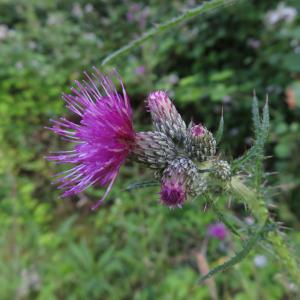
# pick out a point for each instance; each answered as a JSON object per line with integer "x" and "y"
{"x": 140, "y": 70}
{"x": 218, "y": 231}
{"x": 101, "y": 140}
{"x": 197, "y": 131}
{"x": 165, "y": 116}
{"x": 173, "y": 194}
{"x": 173, "y": 191}
{"x": 179, "y": 181}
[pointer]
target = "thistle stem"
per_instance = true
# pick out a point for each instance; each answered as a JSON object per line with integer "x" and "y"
{"x": 240, "y": 255}
{"x": 259, "y": 209}
{"x": 206, "y": 7}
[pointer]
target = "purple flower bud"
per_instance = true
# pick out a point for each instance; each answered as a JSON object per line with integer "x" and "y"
{"x": 173, "y": 193}
{"x": 200, "y": 143}
{"x": 154, "y": 149}
{"x": 221, "y": 170}
{"x": 165, "y": 116}
{"x": 218, "y": 231}
{"x": 198, "y": 131}
{"x": 180, "y": 180}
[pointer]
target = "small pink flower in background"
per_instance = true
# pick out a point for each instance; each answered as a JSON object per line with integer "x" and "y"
{"x": 101, "y": 140}
{"x": 133, "y": 10}
{"x": 218, "y": 231}
{"x": 140, "y": 70}
{"x": 138, "y": 14}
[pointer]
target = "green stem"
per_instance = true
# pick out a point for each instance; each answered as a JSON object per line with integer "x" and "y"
{"x": 283, "y": 253}
{"x": 259, "y": 209}
{"x": 201, "y": 9}
{"x": 222, "y": 218}
{"x": 240, "y": 255}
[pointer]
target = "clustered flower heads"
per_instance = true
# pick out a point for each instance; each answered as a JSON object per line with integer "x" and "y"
{"x": 182, "y": 157}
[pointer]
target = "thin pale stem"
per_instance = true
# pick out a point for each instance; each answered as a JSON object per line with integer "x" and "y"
{"x": 206, "y": 7}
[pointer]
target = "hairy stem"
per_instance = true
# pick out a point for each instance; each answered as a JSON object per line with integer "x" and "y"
{"x": 240, "y": 255}
{"x": 201, "y": 9}
{"x": 285, "y": 255}
{"x": 258, "y": 207}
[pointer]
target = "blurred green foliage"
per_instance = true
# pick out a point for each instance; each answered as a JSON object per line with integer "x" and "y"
{"x": 133, "y": 248}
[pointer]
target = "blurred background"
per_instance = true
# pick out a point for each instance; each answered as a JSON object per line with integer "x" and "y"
{"x": 132, "y": 247}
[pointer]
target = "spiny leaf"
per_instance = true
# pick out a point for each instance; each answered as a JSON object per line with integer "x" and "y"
{"x": 266, "y": 120}
{"x": 219, "y": 133}
{"x": 240, "y": 255}
{"x": 255, "y": 115}
{"x": 256, "y": 151}
{"x": 142, "y": 184}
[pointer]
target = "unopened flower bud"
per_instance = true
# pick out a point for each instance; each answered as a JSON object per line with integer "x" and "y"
{"x": 154, "y": 149}
{"x": 165, "y": 116}
{"x": 200, "y": 143}
{"x": 221, "y": 170}
{"x": 180, "y": 180}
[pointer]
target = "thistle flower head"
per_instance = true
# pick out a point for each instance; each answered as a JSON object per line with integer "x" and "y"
{"x": 154, "y": 148}
{"x": 180, "y": 180}
{"x": 173, "y": 193}
{"x": 165, "y": 116}
{"x": 221, "y": 170}
{"x": 197, "y": 131}
{"x": 200, "y": 143}
{"x": 100, "y": 141}
{"x": 173, "y": 188}
{"x": 218, "y": 231}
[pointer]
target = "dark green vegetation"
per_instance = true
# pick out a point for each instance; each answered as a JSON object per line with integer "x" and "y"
{"x": 133, "y": 248}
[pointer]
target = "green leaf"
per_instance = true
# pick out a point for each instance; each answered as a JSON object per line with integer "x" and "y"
{"x": 265, "y": 121}
{"x": 142, "y": 184}
{"x": 256, "y": 151}
{"x": 240, "y": 255}
{"x": 255, "y": 115}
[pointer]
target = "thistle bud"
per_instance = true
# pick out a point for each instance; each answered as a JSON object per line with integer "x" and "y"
{"x": 200, "y": 143}
{"x": 221, "y": 170}
{"x": 154, "y": 149}
{"x": 165, "y": 116}
{"x": 180, "y": 180}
